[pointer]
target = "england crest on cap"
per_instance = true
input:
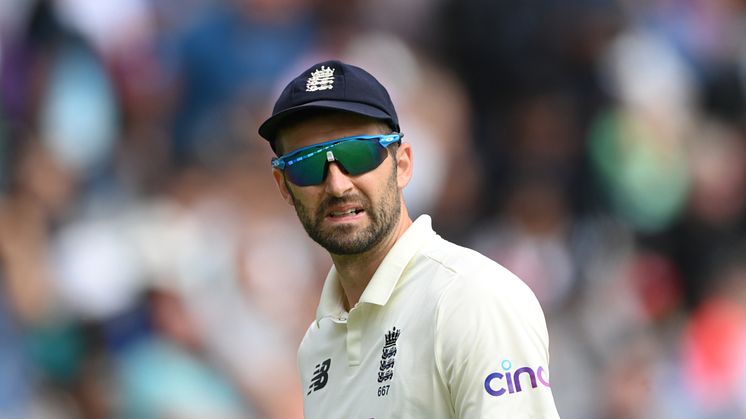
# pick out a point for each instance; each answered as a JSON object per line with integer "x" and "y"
{"x": 321, "y": 79}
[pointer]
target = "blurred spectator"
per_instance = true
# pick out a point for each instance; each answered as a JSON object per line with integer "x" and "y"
{"x": 704, "y": 377}
{"x": 39, "y": 194}
{"x": 212, "y": 237}
{"x": 187, "y": 386}
{"x": 715, "y": 219}
{"x": 628, "y": 378}
{"x": 510, "y": 52}
{"x": 639, "y": 149}
{"x": 15, "y": 384}
{"x": 533, "y": 238}
{"x": 225, "y": 63}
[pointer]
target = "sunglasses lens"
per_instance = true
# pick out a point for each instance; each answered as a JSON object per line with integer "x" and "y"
{"x": 358, "y": 157}
{"x": 355, "y": 156}
{"x": 309, "y": 171}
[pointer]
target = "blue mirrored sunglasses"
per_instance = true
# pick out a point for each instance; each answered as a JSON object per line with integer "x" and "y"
{"x": 355, "y": 155}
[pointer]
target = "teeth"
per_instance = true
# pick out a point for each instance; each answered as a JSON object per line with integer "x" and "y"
{"x": 343, "y": 213}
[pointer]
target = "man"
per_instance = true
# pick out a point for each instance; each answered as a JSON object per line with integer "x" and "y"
{"x": 409, "y": 325}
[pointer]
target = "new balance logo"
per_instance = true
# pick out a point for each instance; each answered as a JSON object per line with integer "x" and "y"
{"x": 320, "y": 376}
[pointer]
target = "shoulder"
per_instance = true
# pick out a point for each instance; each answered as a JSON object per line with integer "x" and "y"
{"x": 478, "y": 289}
{"x": 492, "y": 309}
{"x": 474, "y": 275}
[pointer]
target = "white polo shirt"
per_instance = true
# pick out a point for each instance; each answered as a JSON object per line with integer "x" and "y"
{"x": 440, "y": 332}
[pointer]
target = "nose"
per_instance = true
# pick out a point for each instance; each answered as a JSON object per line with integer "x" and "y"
{"x": 337, "y": 182}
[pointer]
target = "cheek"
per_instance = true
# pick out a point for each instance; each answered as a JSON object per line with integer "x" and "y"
{"x": 307, "y": 197}
{"x": 373, "y": 184}
{"x": 379, "y": 184}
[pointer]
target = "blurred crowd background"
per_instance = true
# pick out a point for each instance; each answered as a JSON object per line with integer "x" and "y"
{"x": 149, "y": 268}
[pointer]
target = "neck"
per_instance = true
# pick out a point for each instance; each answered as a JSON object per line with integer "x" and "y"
{"x": 356, "y": 271}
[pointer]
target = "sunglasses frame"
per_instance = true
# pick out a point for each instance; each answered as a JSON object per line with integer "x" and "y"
{"x": 296, "y": 156}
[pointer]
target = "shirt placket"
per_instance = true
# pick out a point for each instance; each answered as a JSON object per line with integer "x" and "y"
{"x": 355, "y": 322}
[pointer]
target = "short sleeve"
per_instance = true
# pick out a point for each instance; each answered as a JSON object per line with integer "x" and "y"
{"x": 491, "y": 347}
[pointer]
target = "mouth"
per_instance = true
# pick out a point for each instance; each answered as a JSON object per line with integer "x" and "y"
{"x": 346, "y": 213}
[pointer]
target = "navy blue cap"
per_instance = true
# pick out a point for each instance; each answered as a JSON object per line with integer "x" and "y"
{"x": 332, "y": 85}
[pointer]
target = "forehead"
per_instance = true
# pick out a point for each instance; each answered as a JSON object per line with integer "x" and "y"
{"x": 320, "y": 128}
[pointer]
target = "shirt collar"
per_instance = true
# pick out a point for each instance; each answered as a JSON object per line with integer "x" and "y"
{"x": 384, "y": 280}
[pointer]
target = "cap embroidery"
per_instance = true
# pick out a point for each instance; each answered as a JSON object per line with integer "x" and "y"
{"x": 321, "y": 79}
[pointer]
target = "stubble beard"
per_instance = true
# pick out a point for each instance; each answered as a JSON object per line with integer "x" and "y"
{"x": 345, "y": 239}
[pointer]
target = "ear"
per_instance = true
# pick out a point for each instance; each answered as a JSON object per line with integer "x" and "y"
{"x": 282, "y": 186}
{"x": 404, "y": 164}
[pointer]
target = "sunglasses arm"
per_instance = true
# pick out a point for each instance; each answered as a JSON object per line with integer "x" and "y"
{"x": 278, "y": 163}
